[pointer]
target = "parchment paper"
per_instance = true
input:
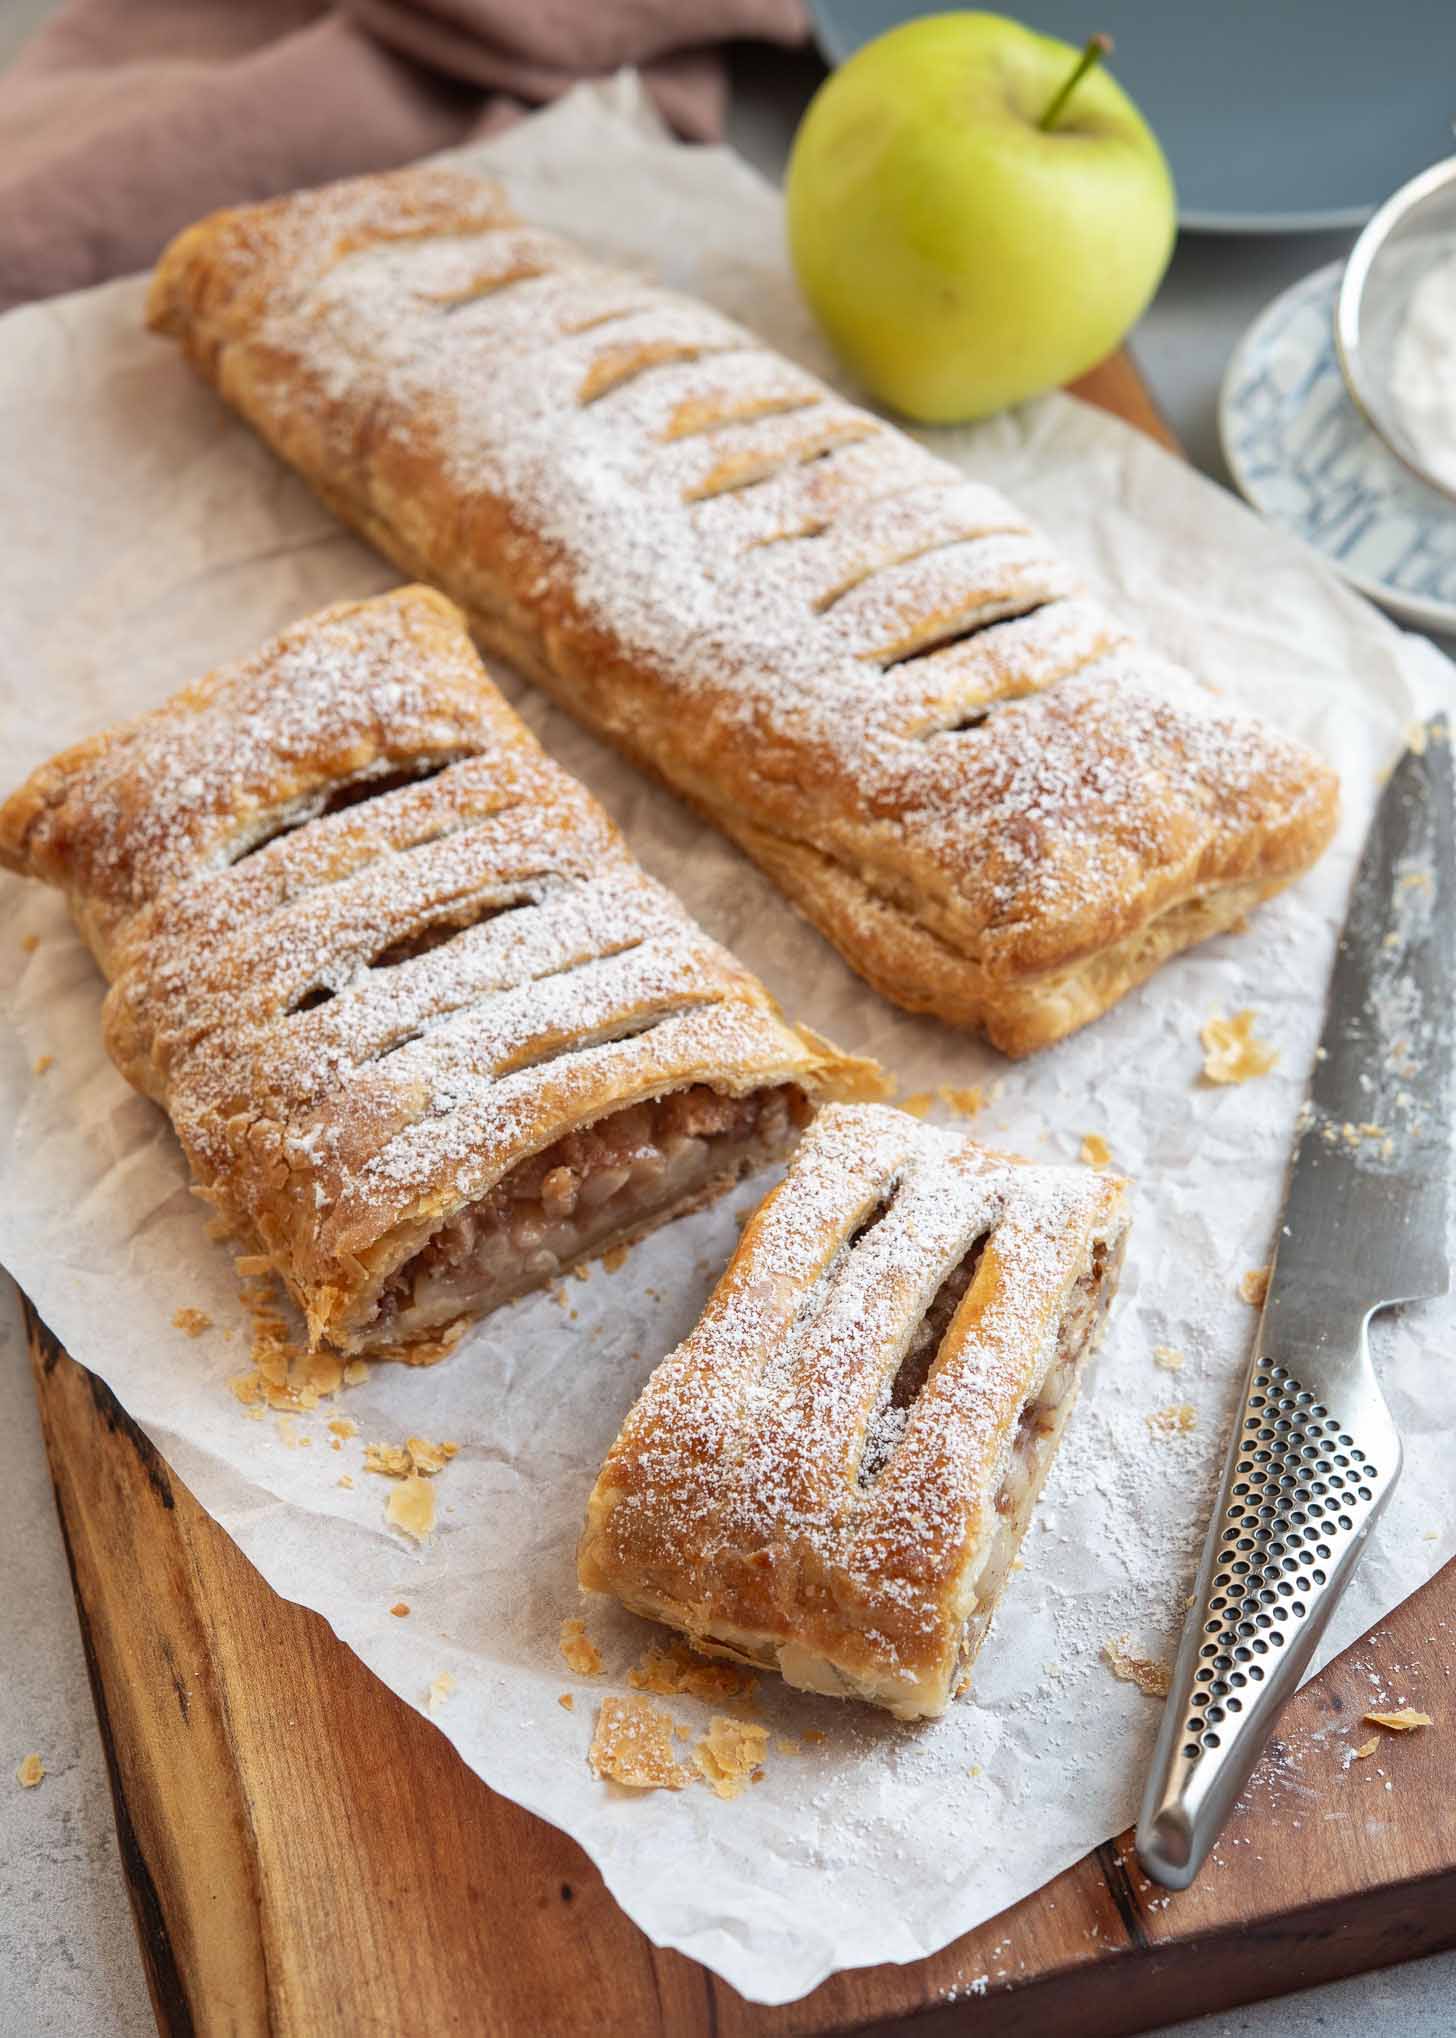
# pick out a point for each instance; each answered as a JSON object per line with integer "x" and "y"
{"x": 148, "y": 536}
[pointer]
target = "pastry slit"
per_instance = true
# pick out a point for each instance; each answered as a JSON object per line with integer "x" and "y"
{"x": 935, "y": 635}
{"x": 886, "y": 1427}
{"x": 619, "y": 367}
{"x": 445, "y": 927}
{"x": 693, "y": 420}
{"x": 732, "y": 477}
{"x": 353, "y": 792}
{"x": 448, "y": 302}
{"x": 451, "y": 922}
{"x": 866, "y": 571}
{"x": 826, "y": 526}
{"x": 572, "y": 327}
{"x": 611, "y": 1034}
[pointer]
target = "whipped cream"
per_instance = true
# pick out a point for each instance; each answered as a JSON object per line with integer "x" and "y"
{"x": 1423, "y": 368}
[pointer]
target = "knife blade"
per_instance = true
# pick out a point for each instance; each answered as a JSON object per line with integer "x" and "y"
{"x": 1370, "y": 1183}
{"x": 1314, "y": 1454}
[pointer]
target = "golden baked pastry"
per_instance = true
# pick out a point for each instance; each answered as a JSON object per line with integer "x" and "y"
{"x": 870, "y": 672}
{"x": 831, "y": 1475}
{"x": 426, "y": 1031}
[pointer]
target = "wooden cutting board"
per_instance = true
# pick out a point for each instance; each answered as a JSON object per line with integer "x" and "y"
{"x": 307, "y": 1856}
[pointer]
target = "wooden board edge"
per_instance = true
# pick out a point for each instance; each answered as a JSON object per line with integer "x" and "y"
{"x": 1112, "y": 1955}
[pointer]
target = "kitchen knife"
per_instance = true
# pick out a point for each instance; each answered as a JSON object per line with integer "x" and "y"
{"x": 1314, "y": 1454}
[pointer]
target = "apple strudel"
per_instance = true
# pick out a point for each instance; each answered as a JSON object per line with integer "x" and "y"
{"x": 426, "y": 1031}
{"x": 870, "y": 672}
{"x": 831, "y": 1475}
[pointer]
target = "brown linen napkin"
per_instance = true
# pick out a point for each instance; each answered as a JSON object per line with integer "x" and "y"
{"x": 123, "y": 120}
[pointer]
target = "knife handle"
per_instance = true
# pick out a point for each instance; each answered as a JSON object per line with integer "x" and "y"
{"x": 1308, "y": 1473}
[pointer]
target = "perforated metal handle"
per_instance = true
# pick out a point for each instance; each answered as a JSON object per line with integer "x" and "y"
{"x": 1308, "y": 1473}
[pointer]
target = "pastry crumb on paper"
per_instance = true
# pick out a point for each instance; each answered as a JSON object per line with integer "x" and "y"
{"x": 1094, "y": 1150}
{"x": 42, "y": 1063}
{"x": 400, "y": 1609}
{"x": 615, "y": 1257}
{"x": 678, "y": 1671}
{"x": 193, "y": 1321}
{"x": 29, "y": 1771}
{"x": 30, "y": 943}
{"x": 579, "y": 1651}
{"x": 632, "y": 1745}
{"x": 567, "y": 1702}
{"x": 1254, "y": 1287}
{"x": 1366, "y": 1748}
{"x": 1178, "y": 1420}
{"x": 731, "y": 1754}
{"x": 1405, "y": 1721}
{"x": 411, "y": 1507}
{"x": 970, "y": 1101}
{"x": 1233, "y": 1053}
{"x": 1168, "y": 1358}
{"x": 918, "y": 1103}
{"x": 416, "y": 1456}
{"x": 440, "y": 1690}
{"x": 1152, "y": 1678}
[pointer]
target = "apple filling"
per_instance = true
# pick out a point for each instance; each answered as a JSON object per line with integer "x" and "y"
{"x": 1038, "y": 1432}
{"x": 596, "y": 1187}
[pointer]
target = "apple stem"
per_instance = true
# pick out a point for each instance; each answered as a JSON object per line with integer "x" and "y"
{"x": 1097, "y": 47}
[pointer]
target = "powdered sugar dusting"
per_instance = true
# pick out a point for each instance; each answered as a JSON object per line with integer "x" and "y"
{"x": 779, "y": 569}
{"x": 738, "y": 1487}
{"x": 358, "y": 1019}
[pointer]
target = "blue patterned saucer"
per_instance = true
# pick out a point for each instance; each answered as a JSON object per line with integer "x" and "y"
{"x": 1302, "y": 455}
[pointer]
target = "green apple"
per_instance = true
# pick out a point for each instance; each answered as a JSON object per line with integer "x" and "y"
{"x": 968, "y": 230}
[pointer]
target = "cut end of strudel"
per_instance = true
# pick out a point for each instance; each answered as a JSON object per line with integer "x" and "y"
{"x": 426, "y": 1031}
{"x": 871, "y": 673}
{"x": 831, "y": 1476}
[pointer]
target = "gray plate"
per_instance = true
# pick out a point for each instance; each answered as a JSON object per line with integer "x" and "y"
{"x": 1276, "y": 115}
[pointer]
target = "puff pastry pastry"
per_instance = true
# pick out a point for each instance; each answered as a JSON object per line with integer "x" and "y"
{"x": 831, "y": 1476}
{"x": 426, "y": 1031}
{"x": 870, "y": 672}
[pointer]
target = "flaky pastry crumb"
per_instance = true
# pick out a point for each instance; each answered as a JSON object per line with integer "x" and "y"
{"x": 29, "y": 1771}
{"x": 411, "y": 1507}
{"x": 1254, "y": 1287}
{"x": 1232, "y": 1052}
{"x": 1094, "y": 1150}
{"x": 578, "y": 1649}
{"x": 1403, "y": 1722}
{"x": 730, "y": 1754}
{"x": 1152, "y": 1678}
{"x": 1178, "y": 1420}
{"x": 678, "y": 1671}
{"x": 632, "y": 1745}
{"x": 193, "y": 1321}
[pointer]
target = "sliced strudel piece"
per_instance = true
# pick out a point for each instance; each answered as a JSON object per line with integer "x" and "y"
{"x": 870, "y": 672}
{"x": 426, "y": 1031}
{"x": 831, "y": 1476}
